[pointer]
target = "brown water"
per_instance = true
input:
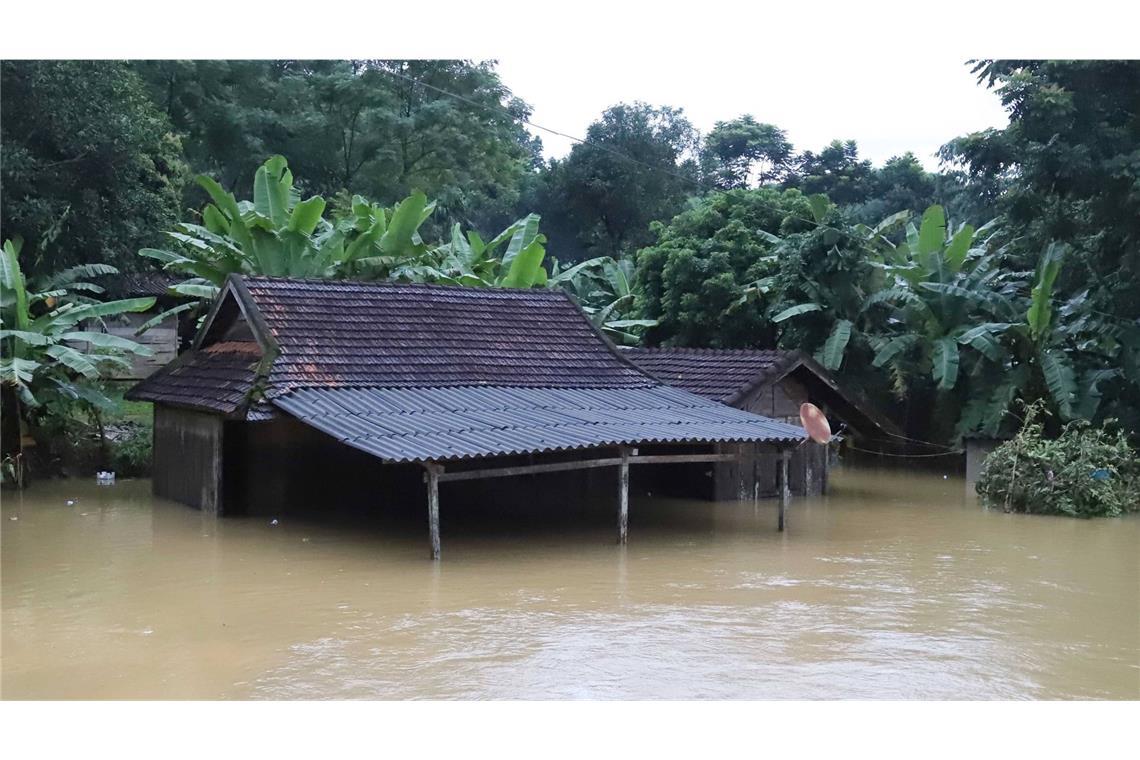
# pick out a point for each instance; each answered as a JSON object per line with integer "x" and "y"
{"x": 893, "y": 586}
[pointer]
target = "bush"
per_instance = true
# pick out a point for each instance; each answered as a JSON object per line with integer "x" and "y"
{"x": 1085, "y": 472}
{"x": 131, "y": 449}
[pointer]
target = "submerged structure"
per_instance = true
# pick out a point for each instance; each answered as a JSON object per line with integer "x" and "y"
{"x": 773, "y": 383}
{"x": 297, "y": 385}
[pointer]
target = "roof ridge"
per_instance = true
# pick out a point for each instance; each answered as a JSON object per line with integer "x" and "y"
{"x": 546, "y": 292}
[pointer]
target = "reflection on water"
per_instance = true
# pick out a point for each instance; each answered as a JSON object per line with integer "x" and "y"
{"x": 894, "y": 585}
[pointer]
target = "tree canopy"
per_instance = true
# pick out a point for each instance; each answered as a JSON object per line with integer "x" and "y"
{"x": 92, "y": 169}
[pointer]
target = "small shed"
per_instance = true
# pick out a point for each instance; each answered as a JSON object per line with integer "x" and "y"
{"x": 773, "y": 383}
{"x": 297, "y": 387}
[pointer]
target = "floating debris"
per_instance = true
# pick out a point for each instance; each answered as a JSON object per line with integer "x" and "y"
{"x": 71, "y": 502}
{"x": 105, "y": 478}
{"x": 13, "y": 518}
{"x": 273, "y": 521}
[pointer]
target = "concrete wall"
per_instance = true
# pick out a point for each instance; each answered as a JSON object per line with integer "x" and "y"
{"x": 188, "y": 450}
{"x": 977, "y": 449}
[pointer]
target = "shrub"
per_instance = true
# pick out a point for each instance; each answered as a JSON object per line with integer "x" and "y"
{"x": 1085, "y": 472}
{"x": 131, "y": 450}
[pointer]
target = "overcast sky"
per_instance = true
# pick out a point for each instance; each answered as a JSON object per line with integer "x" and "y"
{"x": 888, "y": 106}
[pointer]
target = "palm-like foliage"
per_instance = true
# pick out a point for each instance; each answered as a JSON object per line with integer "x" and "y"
{"x": 1034, "y": 357}
{"x": 941, "y": 283}
{"x": 833, "y": 274}
{"x": 41, "y": 333}
{"x": 603, "y": 288}
{"x": 279, "y": 235}
{"x": 44, "y": 346}
{"x": 467, "y": 260}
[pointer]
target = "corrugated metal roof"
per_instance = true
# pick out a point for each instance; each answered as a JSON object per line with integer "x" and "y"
{"x": 436, "y": 424}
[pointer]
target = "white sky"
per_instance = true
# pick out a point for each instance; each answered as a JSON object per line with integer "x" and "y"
{"x": 887, "y": 106}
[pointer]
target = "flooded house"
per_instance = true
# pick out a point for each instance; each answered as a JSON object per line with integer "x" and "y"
{"x": 773, "y": 383}
{"x": 296, "y": 390}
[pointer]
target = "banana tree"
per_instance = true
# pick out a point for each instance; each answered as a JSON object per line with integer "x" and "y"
{"x": 467, "y": 260}
{"x": 1033, "y": 358}
{"x": 941, "y": 283}
{"x": 279, "y": 235}
{"x": 603, "y": 288}
{"x": 830, "y": 275}
{"x": 46, "y": 346}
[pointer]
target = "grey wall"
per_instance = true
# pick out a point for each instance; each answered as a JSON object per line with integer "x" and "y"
{"x": 188, "y": 457}
{"x": 977, "y": 449}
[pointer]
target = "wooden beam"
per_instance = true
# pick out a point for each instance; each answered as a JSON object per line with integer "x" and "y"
{"x": 623, "y": 497}
{"x": 431, "y": 477}
{"x": 582, "y": 464}
{"x": 785, "y": 488}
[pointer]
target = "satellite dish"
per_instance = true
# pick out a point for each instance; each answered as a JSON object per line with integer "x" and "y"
{"x": 815, "y": 423}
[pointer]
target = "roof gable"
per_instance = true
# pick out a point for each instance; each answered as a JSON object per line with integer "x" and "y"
{"x": 331, "y": 334}
{"x": 728, "y": 375}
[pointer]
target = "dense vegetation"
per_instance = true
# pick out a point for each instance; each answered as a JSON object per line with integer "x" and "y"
{"x": 948, "y": 297}
{"x": 1083, "y": 472}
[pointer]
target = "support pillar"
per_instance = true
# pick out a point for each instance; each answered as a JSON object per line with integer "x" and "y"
{"x": 755, "y": 479}
{"x": 785, "y": 486}
{"x": 623, "y": 497}
{"x": 431, "y": 477}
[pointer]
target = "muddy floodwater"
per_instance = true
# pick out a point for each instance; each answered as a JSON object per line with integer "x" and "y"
{"x": 892, "y": 586}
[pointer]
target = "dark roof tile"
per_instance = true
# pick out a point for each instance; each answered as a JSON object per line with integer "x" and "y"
{"x": 342, "y": 334}
{"x": 718, "y": 374}
{"x": 217, "y": 378}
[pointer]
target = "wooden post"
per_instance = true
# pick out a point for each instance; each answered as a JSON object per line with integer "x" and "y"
{"x": 755, "y": 478}
{"x": 785, "y": 488}
{"x": 431, "y": 477}
{"x": 623, "y": 497}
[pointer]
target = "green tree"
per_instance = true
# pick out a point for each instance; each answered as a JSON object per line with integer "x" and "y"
{"x": 637, "y": 166}
{"x": 48, "y": 347}
{"x": 836, "y": 171}
{"x": 698, "y": 277}
{"x": 1056, "y": 356}
{"x": 603, "y": 287}
{"x": 1066, "y": 169}
{"x": 371, "y": 127}
{"x": 828, "y": 276}
{"x": 84, "y": 143}
{"x": 744, "y": 153}
{"x": 280, "y": 235}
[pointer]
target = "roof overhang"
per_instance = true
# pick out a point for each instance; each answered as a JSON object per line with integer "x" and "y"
{"x": 440, "y": 424}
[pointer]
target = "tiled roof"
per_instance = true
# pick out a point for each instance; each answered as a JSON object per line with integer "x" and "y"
{"x": 426, "y": 424}
{"x": 422, "y": 372}
{"x": 718, "y": 374}
{"x": 342, "y": 334}
{"x": 136, "y": 284}
{"x": 218, "y": 378}
{"x": 726, "y": 375}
